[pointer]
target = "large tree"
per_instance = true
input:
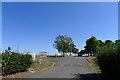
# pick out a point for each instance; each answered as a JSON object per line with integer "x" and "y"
{"x": 9, "y": 48}
{"x": 71, "y": 48}
{"x": 117, "y": 42}
{"x": 91, "y": 45}
{"x": 75, "y": 50}
{"x": 82, "y": 52}
{"x": 63, "y": 44}
{"x": 109, "y": 43}
{"x": 101, "y": 44}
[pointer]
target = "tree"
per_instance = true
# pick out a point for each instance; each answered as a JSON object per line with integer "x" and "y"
{"x": 82, "y": 52}
{"x": 117, "y": 42}
{"x": 6, "y": 51}
{"x": 108, "y": 43}
{"x": 101, "y": 43}
{"x": 63, "y": 44}
{"x": 71, "y": 48}
{"x": 100, "y": 46}
{"x": 75, "y": 50}
{"x": 91, "y": 45}
{"x": 9, "y": 49}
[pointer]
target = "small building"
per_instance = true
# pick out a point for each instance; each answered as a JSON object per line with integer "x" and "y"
{"x": 58, "y": 54}
{"x": 43, "y": 54}
{"x": 32, "y": 54}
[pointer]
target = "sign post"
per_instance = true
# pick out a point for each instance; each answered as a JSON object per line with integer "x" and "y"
{"x": 42, "y": 55}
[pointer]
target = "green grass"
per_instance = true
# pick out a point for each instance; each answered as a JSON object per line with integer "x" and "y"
{"x": 58, "y": 57}
{"x": 45, "y": 64}
{"x": 92, "y": 62}
{"x": 37, "y": 56}
{"x": 51, "y": 57}
{"x": 35, "y": 66}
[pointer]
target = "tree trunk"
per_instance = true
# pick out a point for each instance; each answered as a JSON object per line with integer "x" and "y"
{"x": 70, "y": 54}
{"x": 63, "y": 54}
{"x": 90, "y": 54}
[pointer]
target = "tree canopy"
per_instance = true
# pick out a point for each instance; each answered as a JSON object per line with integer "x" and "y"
{"x": 64, "y": 44}
{"x": 91, "y": 45}
{"x": 109, "y": 43}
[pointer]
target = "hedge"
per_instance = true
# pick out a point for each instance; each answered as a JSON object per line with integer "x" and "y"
{"x": 109, "y": 61}
{"x": 14, "y": 63}
{"x": 0, "y": 64}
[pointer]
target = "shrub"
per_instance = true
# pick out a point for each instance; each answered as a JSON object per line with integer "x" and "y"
{"x": 0, "y": 64}
{"x": 14, "y": 63}
{"x": 109, "y": 61}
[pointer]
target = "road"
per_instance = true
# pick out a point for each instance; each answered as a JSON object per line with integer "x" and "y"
{"x": 73, "y": 67}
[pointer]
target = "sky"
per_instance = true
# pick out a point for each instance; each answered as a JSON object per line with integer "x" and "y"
{"x": 33, "y": 26}
{"x": 119, "y": 20}
{"x": 60, "y": 0}
{"x": 0, "y": 26}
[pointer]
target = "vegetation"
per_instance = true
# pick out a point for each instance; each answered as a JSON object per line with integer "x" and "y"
{"x": 14, "y": 63}
{"x": 56, "y": 56}
{"x": 0, "y": 64}
{"x": 8, "y": 50}
{"x": 109, "y": 59}
{"x": 91, "y": 45}
{"x": 82, "y": 52}
{"x": 65, "y": 44}
{"x": 35, "y": 67}
{"x": 109, "y": 43}
{"x": 38, "y": 67}
{"x": 107, "y": 56}
{"x": 94, "y": 64}
{"x": 37, "y": 56}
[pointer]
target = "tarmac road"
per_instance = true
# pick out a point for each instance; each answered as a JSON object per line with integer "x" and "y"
{"x": 73, "y": 67}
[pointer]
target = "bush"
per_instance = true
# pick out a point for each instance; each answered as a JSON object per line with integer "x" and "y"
{"x": 0, "y": 64}
{"x": 109, "y": 61}
{"x": 14, "y": 63}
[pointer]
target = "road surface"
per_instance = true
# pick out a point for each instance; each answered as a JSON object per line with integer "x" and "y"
{"x": 73, "y": 67}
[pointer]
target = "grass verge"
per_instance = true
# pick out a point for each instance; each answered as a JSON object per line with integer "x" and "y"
{"x": 38, "y": 67}
{"x": 58, "y": 57}
{"x": 35, "y": 66}
{"x": 93, "y": 64}
{"x": 52, "y": 57}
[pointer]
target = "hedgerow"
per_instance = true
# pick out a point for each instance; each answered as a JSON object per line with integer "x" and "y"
{"x": 14, "y": 63}
{"x": 109, "y": 61}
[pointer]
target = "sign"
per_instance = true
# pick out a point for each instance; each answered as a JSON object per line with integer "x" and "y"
{"x": 32, "y": 54}
{"x": 40, "y": 61}
{"x": 43, "y": 54}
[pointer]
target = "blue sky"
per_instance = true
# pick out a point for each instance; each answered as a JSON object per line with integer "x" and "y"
{"x": 0, "y": 24}
{"x": 35, "y": 25}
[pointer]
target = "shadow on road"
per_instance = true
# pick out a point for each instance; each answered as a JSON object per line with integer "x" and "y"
{"x": 90, "y": 76}
{"x": 94, "y": 76}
